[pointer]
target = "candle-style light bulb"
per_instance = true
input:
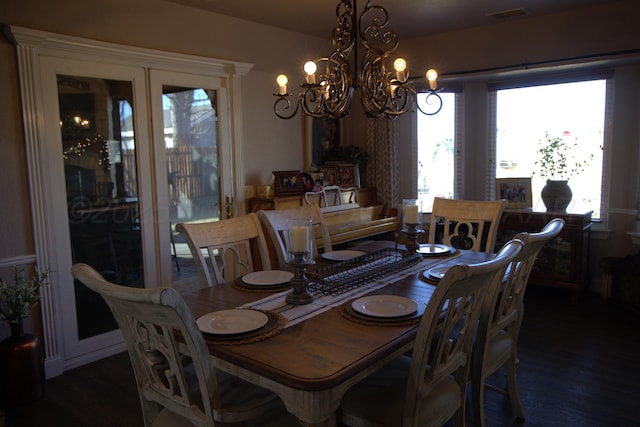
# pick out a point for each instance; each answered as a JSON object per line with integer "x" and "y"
{"x": 310, "y": 68}
{"x": 400, "y": 65}
{"x": 432, "y": 76}
{"x": 282, "y": 81}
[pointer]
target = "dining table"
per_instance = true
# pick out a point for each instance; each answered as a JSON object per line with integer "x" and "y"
{"x": 319, "y": 350}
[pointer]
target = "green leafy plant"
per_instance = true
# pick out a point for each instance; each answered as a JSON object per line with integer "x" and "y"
{"x": 558, "y": 159}
{"x": 350, "y": 153}
{"x": 18, "y": 297}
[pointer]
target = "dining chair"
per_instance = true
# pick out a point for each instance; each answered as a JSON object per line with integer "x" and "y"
{"x": 275, "y": 222}
{"x": 178, "y": 383}
{"x": 428, "y": 387}
{"x": 466, "y": 224}
{"x": 499, "y": 327}
{"x": 227, "y": 249}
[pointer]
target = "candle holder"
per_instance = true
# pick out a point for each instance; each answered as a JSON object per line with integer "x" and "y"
{"x": 412, "y": 231}
{"x": 299, "y": 241}
{"x": 412, "y": 219}
{"x": 299, "y": 295}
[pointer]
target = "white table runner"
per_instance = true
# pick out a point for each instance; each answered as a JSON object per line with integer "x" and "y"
{"x": 321, "y": 303}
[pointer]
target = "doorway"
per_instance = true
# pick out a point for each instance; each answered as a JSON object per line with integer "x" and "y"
{"x": 99, "y": 183}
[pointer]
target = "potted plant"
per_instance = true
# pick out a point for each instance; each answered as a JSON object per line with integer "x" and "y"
{"x": 348, "y": 153}
{"x": 557, "y": 163}
{"x": 21, "y": 355}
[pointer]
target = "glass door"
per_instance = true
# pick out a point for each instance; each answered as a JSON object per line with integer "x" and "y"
{"x": 99, "y": 156}
{"x": 98, "y": 161}
{"x": 190, "y": 150}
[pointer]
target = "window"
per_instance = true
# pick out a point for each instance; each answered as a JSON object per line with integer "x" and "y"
{"x": 573, "y": 112}
{"x": 436, "y": 152}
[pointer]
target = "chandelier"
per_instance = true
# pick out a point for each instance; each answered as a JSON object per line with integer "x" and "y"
{"x": 331, "y": 81}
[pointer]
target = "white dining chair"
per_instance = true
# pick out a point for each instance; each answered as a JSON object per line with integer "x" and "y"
{"x": 466, "y": 224}
{"x": 499, "y": 327}
{"x": 178, "y": 383}
{"x": 223, "y": 250}
{"x": 275, "y": 223}
{"x": 428, "y": 388}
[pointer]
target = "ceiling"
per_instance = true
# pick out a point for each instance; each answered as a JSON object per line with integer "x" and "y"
{"x": 408, "y": 18}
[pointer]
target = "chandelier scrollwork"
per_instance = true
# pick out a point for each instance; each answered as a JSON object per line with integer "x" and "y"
{"x": 331, "y": 81}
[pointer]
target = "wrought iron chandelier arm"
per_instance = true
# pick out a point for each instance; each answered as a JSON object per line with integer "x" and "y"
{"x": 437, "y": 101}
{"x": 282, "y": 104}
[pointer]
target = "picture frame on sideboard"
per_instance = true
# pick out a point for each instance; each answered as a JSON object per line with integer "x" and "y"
{"x": 287, "y": 183}
{"x": 517, "y": 192}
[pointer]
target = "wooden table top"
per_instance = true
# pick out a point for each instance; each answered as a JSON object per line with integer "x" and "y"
{"x": 322, "y": 351}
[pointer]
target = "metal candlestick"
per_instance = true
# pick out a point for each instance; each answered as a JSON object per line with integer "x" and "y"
{"x": 412, "y": 231}
{"x": 299, "y": 294}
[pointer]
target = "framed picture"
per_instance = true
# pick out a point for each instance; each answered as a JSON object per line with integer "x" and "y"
{"x": 517, "y": 191}
{"x": 329, "y": 175}
{"x": 321, "y": 137}
{"x": 287, "y": 183}
{"x": 348, "y": 175}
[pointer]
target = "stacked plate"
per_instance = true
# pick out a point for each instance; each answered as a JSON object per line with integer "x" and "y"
{"x": 236, "y": 324}
{"x": 384, "y": 308}
{"x": 270, "y": 279}
{"x": 236, "y": 321}
{"x": 437, "y": 273}
{"x": 435, "y": 249}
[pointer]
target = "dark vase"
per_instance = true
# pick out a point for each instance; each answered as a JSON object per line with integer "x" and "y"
{"x": 21, "y": 367}
{"x": 556, "y": 195}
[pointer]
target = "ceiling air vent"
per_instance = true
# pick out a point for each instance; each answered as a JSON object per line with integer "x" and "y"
{"x": 508, "y": 14}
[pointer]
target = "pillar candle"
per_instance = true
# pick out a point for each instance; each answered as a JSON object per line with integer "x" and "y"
{"x": 299, "y": 238}
{"x": 411, "y": 214}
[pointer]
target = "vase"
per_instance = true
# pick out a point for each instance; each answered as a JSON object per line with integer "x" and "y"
{"x": 22, "y": 376}
{"x": 556, "y": 195}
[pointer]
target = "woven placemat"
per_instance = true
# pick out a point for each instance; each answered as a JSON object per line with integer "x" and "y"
{"x": 274, "y": 325}
{"x": 241, "y": 286}
{"x": 425, "y": 278}
{"x": 347, "y": 311}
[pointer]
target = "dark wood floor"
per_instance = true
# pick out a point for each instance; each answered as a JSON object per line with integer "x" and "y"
{"x": 579, "y": 366}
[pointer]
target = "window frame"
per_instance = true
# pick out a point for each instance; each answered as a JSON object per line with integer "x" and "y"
{"x": 550, "y": 79}
{"x": 458, "y": 140}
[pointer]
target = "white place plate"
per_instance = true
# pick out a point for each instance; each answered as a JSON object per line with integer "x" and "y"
{"x": 225, "y": 322}
{"x": 435, "y": 249}
{"x": 438, "y": 272}
{"x": 384, "y": 305}
{"x": 342, "y": 255}
{"x": 267, "y": 278}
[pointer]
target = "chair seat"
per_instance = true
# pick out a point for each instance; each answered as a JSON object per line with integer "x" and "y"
{"x": 167, "y": 418}
{"x": 499, "y": 350}
{"x": 379, "y": 399}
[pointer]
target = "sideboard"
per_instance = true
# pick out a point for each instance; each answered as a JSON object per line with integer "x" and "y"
{"x": 371, "y": 218}
{"x": 364, "y": 196}
{"x": 563, "y": 262}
